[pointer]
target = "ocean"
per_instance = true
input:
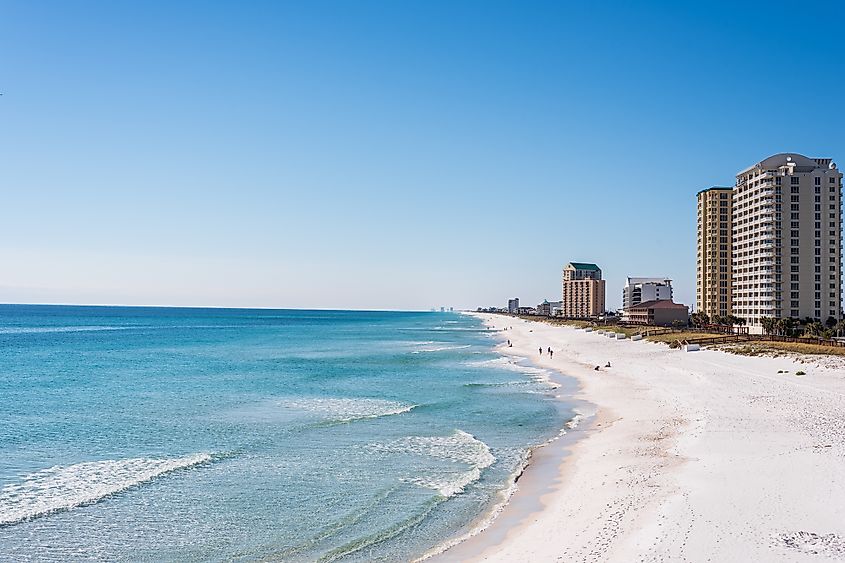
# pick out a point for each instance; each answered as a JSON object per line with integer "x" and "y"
{"x": 169, "y": 434}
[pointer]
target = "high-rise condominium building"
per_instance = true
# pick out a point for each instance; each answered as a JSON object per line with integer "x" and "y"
{"x": 583, "y": 291}
{"x": 787, "y": 239}
{"x": 713, "y": 260}
{"x": 640, "y": 290}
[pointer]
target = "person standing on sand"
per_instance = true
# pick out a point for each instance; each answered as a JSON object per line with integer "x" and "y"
{"x": 541, "y": 350}
{"x": 551, "y": 353}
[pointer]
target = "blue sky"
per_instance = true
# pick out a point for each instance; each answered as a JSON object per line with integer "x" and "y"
{"x": 387, "y": 154}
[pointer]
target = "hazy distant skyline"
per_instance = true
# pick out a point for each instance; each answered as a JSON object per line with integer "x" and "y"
{"x": 387, "y": 155}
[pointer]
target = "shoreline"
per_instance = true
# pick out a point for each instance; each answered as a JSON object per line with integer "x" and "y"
{"x": 534, "y": 479}
{"x": 688, "y": 456}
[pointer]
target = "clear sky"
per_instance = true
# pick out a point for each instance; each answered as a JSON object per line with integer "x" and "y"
{"x": 404, "y": 155}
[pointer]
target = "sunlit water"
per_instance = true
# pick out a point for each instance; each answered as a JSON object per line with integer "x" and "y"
{"x": 202, "y": 434}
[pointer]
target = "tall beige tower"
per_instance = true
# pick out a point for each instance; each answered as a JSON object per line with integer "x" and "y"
{"x": 713, "y": 260}
{"x": 583, "y": 291}
{"x": 787, "y": 239}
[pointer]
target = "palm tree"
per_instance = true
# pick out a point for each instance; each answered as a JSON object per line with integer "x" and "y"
{"x": 783, "y": 326}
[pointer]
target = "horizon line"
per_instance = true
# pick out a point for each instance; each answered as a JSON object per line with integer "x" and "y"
{"x": 223, "y": 307}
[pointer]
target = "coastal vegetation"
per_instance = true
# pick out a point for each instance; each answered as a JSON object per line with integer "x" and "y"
{"x": 704, "y": 328}
{"x": 773, "y": 348}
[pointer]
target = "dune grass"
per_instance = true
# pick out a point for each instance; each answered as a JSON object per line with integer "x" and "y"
{"x": 780, "y": 348}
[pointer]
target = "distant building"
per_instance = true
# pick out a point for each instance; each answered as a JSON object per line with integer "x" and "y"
{"x": 548, "y": 308}
{"x": 713, "y": 294}
{"x": 663, "y": 312}
{"x": 442, "y": 309}
{"x": 639, "y": 290}
{"x": 513, "y": 305}
{"x": 583, "y": 291}
{"x": 527, "y": 311}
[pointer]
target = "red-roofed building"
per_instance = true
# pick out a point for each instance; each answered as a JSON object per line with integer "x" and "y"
{"x": 663, "y": 312}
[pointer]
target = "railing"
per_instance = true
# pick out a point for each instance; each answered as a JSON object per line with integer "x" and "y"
{"x": 717, "y": 339}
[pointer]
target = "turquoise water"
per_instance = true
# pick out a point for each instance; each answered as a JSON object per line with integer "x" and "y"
{"x": 207, "y": 434}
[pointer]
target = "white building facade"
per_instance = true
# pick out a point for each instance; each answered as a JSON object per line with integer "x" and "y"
{"x": 640, "y": 290}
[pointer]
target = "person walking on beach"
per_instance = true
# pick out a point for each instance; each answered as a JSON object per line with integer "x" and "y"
{"x": 541, "y": 350}
{"x": 551, "y": 353}
{"x": 509, "y": 342}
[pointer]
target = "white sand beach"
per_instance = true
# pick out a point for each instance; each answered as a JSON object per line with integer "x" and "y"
{"x": 689, "y": 456}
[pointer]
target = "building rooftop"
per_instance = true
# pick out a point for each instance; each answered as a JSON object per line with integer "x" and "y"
{"x": 584, "y": 266}
{"x": 634, "y": 281}
{"x": 714, "y": 188}
{"x": 801, "y": 162}
{"x": 659, "y": 304}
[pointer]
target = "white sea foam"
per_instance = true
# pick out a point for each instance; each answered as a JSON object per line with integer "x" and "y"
{"x": 503, "y": 362}
{"x": 488, "y": 519}
{"x": 64, "y": 487}
{"x": 348, "y": 409}
{"x": 439, "y": 348}
{"x": 53, "y": 329}
{"x": 470, "y": 456}
{"x": 574, "y": 421}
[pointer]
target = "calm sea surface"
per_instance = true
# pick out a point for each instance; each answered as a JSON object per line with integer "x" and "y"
{"x": 206, "y": 434}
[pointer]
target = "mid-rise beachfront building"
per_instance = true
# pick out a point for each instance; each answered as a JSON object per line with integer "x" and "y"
{"x": 714, "y": 254}
{"x": 659, "y": 312}
{"x": 638, "y": 290}
{"x": 583, "y": 291}
{"x": 787, "y": 239}
{"x": 513, "y": 305}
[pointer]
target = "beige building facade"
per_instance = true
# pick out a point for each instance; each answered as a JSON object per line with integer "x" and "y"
{"x": 714, "y": 255}
{"x": 583, "y": 291}
{"x": 787, "y": 239}
{"x": 661, "y": 312}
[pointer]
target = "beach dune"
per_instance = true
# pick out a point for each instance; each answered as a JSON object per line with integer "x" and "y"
{"x": 688, "y": 456}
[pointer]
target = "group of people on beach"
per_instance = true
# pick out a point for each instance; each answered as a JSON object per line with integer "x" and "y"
{"x": 551, "y": 353}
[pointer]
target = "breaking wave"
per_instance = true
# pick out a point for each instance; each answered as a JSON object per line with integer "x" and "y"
{"x": 503, "y": 362}
{"x": 65, "y": 487}
{"x": 339, "y": 411}
{"x": 54, "y": 329}
{"x": 469, "y": 455}
{"x": 439, "y": 348}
